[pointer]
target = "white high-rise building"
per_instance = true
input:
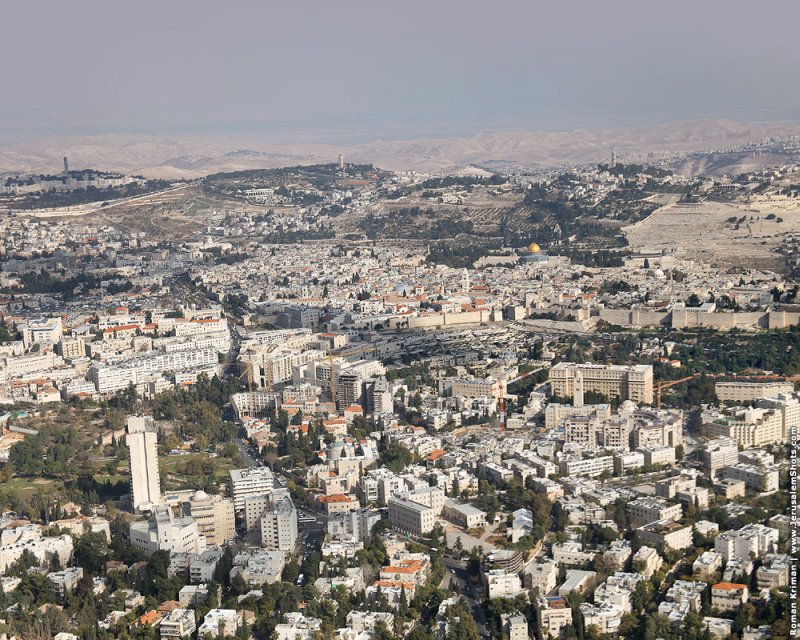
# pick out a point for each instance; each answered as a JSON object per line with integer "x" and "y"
{"x": 142, "y": 440}
{"x": 279, "y": 522}
{"x": 250, "y": 482}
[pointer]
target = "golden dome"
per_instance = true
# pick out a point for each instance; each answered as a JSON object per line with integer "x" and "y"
{"x": 534, "y": 248}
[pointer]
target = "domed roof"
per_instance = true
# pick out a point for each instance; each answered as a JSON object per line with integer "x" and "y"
{"x": 200, "y": 495}
{"x": 534, "y": 248}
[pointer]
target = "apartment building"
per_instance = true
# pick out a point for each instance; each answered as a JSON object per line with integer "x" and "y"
{"x": 279, "y": 522}
{"x": 755, "y": 477}
{"x": 259, "y": 566}
{"x": 774, "y": 571}
{"x": 202, "y": 567}
{"x": 379, "y": 397}
{"x": 788, "y": 404}
{"x": 339, "y": 503}
{"x": 433, "y": 497}
{"x": 571, "y": 554}
{"x": 178, "y": 623}
{"x": 728, "y": 596}
{"x": 354, "y": 525}
{"x": 707, "y": 564}
{"x": 111, "y": 378}
{"x": 718, "y": 454}
{"x": 646, "y": 561}
{"x": 606, "y": 618}
{"x": 618, "y": 590}
{"x": 248, "y": 482}
{"x": 666, "y": 533}
{"x": 591, "y": 467}
{"x": 554, "y": 615}
{"x": 502, "y": 584}
{"x": 593, "y": 432}
{"x": 542, "y": 576}
{"x": 220, "y": 623}
{"x": 644, "y": 510}
{"x": 753, "y": 540}
{"x": 748, "y": 427}
{"x": 14, "y": 542}
{"x": 515, "y": 627}
{"x": 65, "y": 581}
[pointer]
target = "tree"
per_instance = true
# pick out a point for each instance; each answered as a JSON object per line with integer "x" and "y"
{"x": 382, "y": 632}
{"x": 91, "y": 552}
{"x": 27, "y": 456}
{"x": 396, "y": 457}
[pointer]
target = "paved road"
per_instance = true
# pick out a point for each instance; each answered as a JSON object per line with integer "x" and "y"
{"x": 252, "y": 461}
{"x": 458, "y": 570}
{"x": 249, "y": 460}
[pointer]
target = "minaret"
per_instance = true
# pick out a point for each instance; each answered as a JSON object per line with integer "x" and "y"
{"x": 577, "y": 389}
{"x": 465, "y": 281}
{"x": 613, "y": 158}
{"x": 66, "y": 165}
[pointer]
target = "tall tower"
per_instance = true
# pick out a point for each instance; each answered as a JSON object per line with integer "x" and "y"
{"x": 465, "y": 280}
{"x": 577, "y": 389}
{"x": 613, "y": 158}
{"x": 66, "y": 165}
{"x": 341, "y": 163}
{"x": 142, "y": 443}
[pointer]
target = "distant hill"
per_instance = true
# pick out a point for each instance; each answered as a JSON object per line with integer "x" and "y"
{"x": 196, "y": 156}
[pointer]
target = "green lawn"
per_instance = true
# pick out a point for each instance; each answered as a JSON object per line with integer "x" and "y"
{"x": 175, "y": 466}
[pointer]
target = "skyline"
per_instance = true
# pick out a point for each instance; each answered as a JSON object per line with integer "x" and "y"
{"x": 356, "y": 72}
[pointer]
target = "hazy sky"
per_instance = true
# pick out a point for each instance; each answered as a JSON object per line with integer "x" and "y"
{"x": 342, "y": 69}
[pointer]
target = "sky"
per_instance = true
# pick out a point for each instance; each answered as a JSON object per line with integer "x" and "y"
{"x": 347, "y": 70}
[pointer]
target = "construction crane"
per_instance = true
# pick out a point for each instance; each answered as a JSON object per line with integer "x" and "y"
{"x": 329, "y": 359}
{"x": 503, "y": 417}
{"x": 247, "y": 373}
{"x": 524, "y": 375}
{"x": 666, "y": 385}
